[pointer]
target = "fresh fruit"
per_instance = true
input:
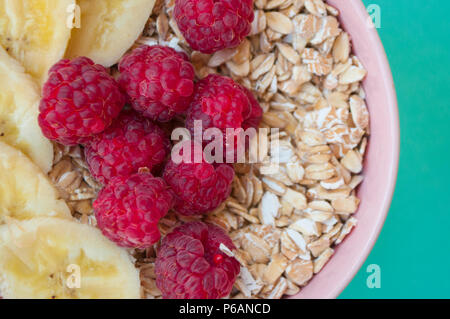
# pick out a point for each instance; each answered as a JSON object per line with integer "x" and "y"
{"x": 35, "y": 32}
{"x": 219, "y": 102}
{"x": 51, "y": 258}
{"x": 80, "y": 99}
{"x": 131, "y": 136}
{"x": 128, "y": 209}
{"x": 190, "y": 263}
{"x": 19, "y": 101}
{"x": 212, "y": 25}
{"x": 108, "y": 28}
{"x": 158, "y": 80}
{"x": 25, "y": 192}
{"x": 199, "y": 187}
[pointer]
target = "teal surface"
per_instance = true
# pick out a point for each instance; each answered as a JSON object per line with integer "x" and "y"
{"x": 413, "y": 250}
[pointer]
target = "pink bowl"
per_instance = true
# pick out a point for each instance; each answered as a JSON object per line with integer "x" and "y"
{"x": 381, "y": 161}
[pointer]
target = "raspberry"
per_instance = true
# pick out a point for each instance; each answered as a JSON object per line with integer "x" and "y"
{"x": 220, "y": 102}
{"x": 213, "y": 25}
{"x": 190, "y": 264}
{"x": 198, "y": 188}
{"x": 130, "y": 143}
{"x": 80, "y": 99}
{"x": 128, "y": 209}
{"x": 158, "y": 80}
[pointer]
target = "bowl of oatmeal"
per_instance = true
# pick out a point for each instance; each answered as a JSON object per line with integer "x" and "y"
{"x": 309, "y": 77}
{"x": 321, "y": 76}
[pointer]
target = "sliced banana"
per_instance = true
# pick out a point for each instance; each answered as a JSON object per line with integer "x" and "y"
{"x": 19, "y": 103}
{"x": 25, "y": 192}
{"x": 108, "y": 28}
{"x": 35, "y": 32}
{"x": 55, "y": 258}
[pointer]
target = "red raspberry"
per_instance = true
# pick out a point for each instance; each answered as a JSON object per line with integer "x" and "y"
{"x": 158, "y": 80}
{"x": 220, "y": 102}
{"x": 199, "y": 187}
{"x": 190, "y": 264}
{"x": 130, "y": 143}
{"x": 79, "y": 99}
{"x": 128, "y": 209}
{"x": 213, "y": 25}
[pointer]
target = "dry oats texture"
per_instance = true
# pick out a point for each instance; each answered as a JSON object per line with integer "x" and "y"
{"x": 285, "y": 223}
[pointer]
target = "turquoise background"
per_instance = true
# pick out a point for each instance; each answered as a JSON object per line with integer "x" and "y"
{"x": 413, "y": 249}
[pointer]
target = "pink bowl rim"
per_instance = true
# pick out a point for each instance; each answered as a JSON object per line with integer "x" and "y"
{"x": 337, "y": 286}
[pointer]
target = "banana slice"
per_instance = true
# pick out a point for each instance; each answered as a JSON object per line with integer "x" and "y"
{"x": 56, "y": 258}
{"x": 108, "y": 28}
{"x": 25, "y": 192}
{"x": 35, "y": 32}
{"x": 19, "y": 103}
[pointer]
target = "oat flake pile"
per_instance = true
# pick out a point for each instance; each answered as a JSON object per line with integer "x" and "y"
{"x": 298, "y": 63}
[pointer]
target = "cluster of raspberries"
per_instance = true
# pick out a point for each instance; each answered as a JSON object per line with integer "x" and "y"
{"x": 124, "y": 126}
